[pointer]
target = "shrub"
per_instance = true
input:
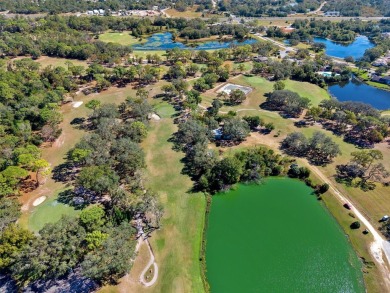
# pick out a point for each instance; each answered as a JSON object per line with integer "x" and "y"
{"x": 355, "y": 225}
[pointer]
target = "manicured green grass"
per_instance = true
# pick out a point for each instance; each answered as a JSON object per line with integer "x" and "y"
{"x": 50, "y": 211}
{"x": 123, "y": 38}
{"x": 177, "y": 243}
{"x": 262, "y": 86}
{"x": 53, "y": 61}
{"x": 55, "y": 155}
{"x": 379, "y": 85}
{"x": 374, "y": 204}
{"x": 386, "y": 113}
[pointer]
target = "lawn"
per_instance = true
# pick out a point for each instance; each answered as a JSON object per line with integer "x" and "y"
{"x": 374, "y": 204}
{"x": 36, "y": 217}
{"x": 123, "y": 38}
{"x": 262, "y": 86}
{"x": 50, "y": 211}
{"x": 54, "y": 61}
{"x": 189, "y": 13}
{"x": 176, "y": 245}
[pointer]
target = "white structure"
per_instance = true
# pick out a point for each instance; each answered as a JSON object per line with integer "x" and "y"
{"x": 332, "y": 13}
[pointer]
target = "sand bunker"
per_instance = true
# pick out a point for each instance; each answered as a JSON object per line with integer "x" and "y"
{"x": 155, "y": 117}
{"x": 39, "y": 200}
{"x": 77, "y": 104}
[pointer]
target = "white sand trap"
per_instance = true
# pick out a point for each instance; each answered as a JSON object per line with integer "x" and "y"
{"x": 77, "y": 104}
{"x": 155, "y": 117}
{"x": 39, "y": 200}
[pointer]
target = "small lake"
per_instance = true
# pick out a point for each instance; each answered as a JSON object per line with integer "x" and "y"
{"x": 277, "y": 237}
{"x": 354, "y": 90}
{"x": 355, "y": 49}
{"x": 163, "y": 41}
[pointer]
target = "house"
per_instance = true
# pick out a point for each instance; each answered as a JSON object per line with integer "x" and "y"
{"x": 332, "y": 13}
{"x": 385, "y": 80}
{"x": 155, "y": 8}
{"x": 101, "y": 11}
{"x": 380, "y": 79}
{"x": 260, "y": 59}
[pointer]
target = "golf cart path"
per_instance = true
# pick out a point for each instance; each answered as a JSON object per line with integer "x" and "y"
{"x": 379, "y": 245}
{"x": 148, "y": 265}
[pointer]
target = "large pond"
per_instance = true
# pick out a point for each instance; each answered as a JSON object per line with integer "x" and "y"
{"x": 163, "y": 41}
{"x": 355, "y": 49}
{"x": 354, "y": 90}
{"x": 277, "y": 237}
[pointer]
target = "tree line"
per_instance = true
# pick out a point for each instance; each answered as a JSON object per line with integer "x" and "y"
{"x": 105, "y": 170}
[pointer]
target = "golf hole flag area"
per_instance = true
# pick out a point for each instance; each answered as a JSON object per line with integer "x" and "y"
{"x": 227, "y": 88}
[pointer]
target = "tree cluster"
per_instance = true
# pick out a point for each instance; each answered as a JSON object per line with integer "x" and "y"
{"x": 290, "y": 103}
{"x": 360, "y": 123}
{"x": 363, "y": 170}
{"x": 318, "y": 149}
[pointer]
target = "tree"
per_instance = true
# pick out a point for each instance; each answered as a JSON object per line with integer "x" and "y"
{"x": 92, "y": 218}
{"x": 128, "y": 157}
{"x": 56, "y": 251}
{"x": 322, "y": 149}
{"x": 12, "y": 240}
{"x": 279, "y": 85}
{"x": 9, "y": 211}
{"x": 37, "y": 165}
{"x": 95, "y": 239}
{"x": 12, "y": 175}
{"x": 236, "y": 97}
{"x": 136, "y": 131}
{"x": 235, "y": 129}
{"x": 295, "y": 144}
{"x": 364, "y": 166}
{"x": 226, "y": 172}
{"x": 93, "y": 104}
{"x": 318, "y": 47}
{"x": 142, "y": 93}
{"x": 253, "y": 121}
{"x": 190, "y": 133}
{"x": 113, "y": 258}
{"x": 289, "y": 102}
{"x": 78, "y": 155}
{"x": 269, "y": 127}
{"x": 99, "y": 179}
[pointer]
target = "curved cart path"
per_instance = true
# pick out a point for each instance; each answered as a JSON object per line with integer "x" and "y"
{"x": 148, "y": 265}
{"x": 379, "y": 245}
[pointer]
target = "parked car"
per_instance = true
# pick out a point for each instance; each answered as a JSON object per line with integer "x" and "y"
{"x": 347, "y": 206}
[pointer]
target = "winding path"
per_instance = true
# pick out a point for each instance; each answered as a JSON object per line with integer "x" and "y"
{"x": 379, "y": 245}
{"x": 148, "y": 265}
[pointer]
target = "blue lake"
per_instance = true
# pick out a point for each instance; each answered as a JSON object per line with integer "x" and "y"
{"x": 357, "y": 91}
{"x": 163, "y": 41}
{"x": 355, "y": 49}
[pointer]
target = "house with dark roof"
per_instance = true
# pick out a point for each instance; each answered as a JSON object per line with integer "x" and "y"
{"x": 381, "y": 79}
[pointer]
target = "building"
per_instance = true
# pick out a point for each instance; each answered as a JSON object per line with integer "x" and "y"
{"x": 332, "y": 13}
{"x": 380, "y": 79}
{"x": 386, "y": 80}
{"x": 155, "y": 8}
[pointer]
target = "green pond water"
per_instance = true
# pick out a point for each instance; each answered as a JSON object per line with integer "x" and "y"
{"x": 277, "y": 237}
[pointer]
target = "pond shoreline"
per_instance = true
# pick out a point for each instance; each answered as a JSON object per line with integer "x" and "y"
{"x": 327, "y": 208}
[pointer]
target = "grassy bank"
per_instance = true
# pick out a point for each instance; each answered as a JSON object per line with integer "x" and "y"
{"x": 177, "y": 243}
{"x": 124, "y": 38}
{"x": 373, "y": 204}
